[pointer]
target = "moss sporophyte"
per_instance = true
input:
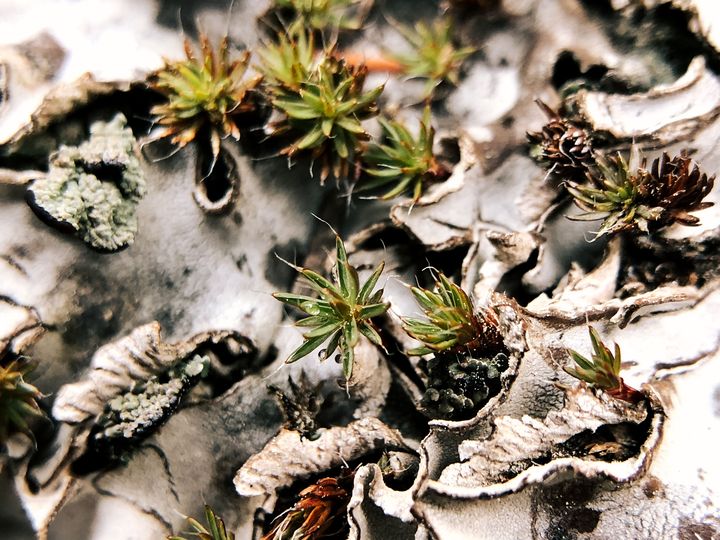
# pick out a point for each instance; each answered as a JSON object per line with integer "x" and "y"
{"x": 343, "y": 312}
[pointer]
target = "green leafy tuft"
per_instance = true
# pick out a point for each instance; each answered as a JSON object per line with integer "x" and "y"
{"x": 406, "y": 162}
{"x": 342, "y": 313}
{"x": 322, "y": 102}
{"x": 209, "y": 91}
{"x": 18, "y": 399}
{"x": 215, "y": 529}
{"x": 602, "y": 369}
{"x": 452, "y": 322}
{"x": 326, "y": 14}
{"x": 433, "y": 56}
{"x": 286, "y": 64}
{"x": 630, "y": 197}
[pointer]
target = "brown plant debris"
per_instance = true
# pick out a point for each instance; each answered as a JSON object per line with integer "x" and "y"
{"x": 561, "y": 146}
{"x": 320, "y": 511}
{"x": 300, "y": 406}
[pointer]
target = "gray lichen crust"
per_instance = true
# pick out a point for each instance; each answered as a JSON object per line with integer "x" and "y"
{"x": 130, "y": 417}
{"x": 148, "y": 403}
{"x": 94, "y": 188}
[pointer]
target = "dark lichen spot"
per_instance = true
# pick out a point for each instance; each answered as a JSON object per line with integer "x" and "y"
{"x": 99, "y": 303}
{"x": 167, "y": 316}
{"x": 241, "y": 261}
{"x": 106, "y": 319}
{"x": 556, "y": 532}
{"x": 565, "y": 504}
{"x": 270, "y": 356}
{"x": 583, "y": 520}
{"x": 693, "y": 530}
{"x": 19, "y": 251}
{"x": 652, "y": 487}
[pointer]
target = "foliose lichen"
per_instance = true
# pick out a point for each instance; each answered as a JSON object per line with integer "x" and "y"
{"x": 93, "y": 189}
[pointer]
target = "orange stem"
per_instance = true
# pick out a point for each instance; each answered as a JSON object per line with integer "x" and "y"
{"x": 378, "y": 63}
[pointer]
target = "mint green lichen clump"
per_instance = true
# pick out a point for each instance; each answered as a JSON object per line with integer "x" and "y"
{"x": 94, "y": 188}
{"x": 148, "y": 403}
{"x": 131, "y": 417}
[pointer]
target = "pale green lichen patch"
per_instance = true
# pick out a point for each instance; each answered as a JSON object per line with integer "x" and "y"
{"x": 94, "y": 188}
{"x": 146, "y": 405}
{"x": 132, "y": 416}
